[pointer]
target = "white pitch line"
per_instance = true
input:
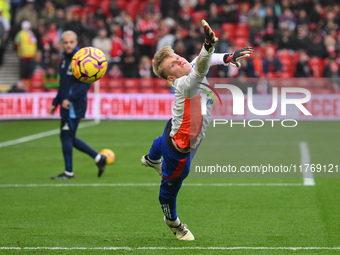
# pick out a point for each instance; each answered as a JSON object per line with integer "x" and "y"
{"x": 308, "y": 176}
{"x": 170, "y": 248}
{"x": 41, "y": 135}
{"x": 147, "y": 185}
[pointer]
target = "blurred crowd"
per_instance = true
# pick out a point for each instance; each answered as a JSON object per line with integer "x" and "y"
{"x": 292, "y": 38}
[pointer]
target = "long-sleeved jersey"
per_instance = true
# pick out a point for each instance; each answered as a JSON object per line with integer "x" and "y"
{"x": 72, "y": 89}
{"x": 188, "y": 123}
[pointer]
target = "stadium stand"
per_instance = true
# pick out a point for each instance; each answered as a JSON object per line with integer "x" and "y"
{"x": 122, "y": 18}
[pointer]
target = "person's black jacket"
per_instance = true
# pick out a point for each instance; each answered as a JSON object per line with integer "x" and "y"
{"x": 72, "y": 89}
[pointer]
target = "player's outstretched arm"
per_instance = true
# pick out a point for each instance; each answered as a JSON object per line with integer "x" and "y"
{"x": 210, "y": 37}
{"x": 203, "y": 60}
{"x": 235, "y": 57}
{"x": 201, "y": 64}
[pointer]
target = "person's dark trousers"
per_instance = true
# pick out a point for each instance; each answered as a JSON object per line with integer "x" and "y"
{"x": 69, "y": 140}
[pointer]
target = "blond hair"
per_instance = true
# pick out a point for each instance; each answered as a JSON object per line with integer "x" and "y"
{"x": 158, "y": 59}
{"x": 69, "y": 32}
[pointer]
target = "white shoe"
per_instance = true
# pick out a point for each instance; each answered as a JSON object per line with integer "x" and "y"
{"x": 181, "y": 232}
{"x": 157, "y": 166}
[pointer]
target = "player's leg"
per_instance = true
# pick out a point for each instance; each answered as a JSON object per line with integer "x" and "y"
{"x": 67, "y": 145}
{"x": 84, "y": 147}
{"x": 175, "y": 170}
{"x": 79, "y": 144}
{"x": 153, "y": 159}
{"x": 168, "y": 196}
{"x": 168, "y": 202}
{"x": 175, "y": 167}
{"x": 155, "y": 152}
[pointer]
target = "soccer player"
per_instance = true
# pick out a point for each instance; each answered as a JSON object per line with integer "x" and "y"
{"x": 185, "y": 130}
{"x": 72, "y": 96}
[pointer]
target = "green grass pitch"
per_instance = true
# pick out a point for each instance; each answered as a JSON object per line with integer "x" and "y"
{"x": 130, "y": 216}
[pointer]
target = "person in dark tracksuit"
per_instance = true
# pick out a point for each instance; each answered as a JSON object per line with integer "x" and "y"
{"x": 72, "y": 97}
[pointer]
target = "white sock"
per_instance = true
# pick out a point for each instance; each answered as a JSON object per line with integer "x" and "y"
{"x": 97, "y": 158}
{"x": 68, "y": 173}
{"x": 155, "y": 161}
{"x": 174, "y": 223}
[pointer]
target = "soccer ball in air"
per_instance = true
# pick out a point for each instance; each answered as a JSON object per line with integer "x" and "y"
{"x": 89, "y": 64}
{"x": 110, "y": 156}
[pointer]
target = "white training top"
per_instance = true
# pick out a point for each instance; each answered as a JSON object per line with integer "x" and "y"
{"x": 188, "y": 123}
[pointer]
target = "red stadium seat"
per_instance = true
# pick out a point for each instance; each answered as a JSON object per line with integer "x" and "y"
{"x": 116, "y": 84}
{"x": 243, "y": 27}
{"x": 104, "y": 81}
{"x": 230, "y": 28}
{"x": 286, "y": 75}
{"x": 116, "y": 90}
{"x": 289, "y": 65}
{"x": 317, "y": 72}
{"x": 285, "y": 55}
{"x": 134, "y": 7}
{"x": 132, "y": 91}
{"x": 131, "y": 84}
{"x": 121, "y": 4}
{"x": 37, "y": 82}
{"x": 92, "y": 3}
{"x": 103, "y": 84}
{"x": 317, "y": 66}
{"x": 242, "y": 30}
{"x": 87, "y": 9}
{"x": 163, "y": 91}
{"x": 240, "y": 34}
{"x": 270, "y": 75}
{"x": 162, "y": 86}
{"x": 105, "y": 6}
{"x": 147, "y": 90}
{"x": 198, "y": 16}
{"x": 146, "y": 83}
{"x": 161, "y": 83}
{"x": 75, "y": 10}
{"x": 315, "y": 61}
{"x": 37, "y": 90}
{"x": 241, "y": 42}
{"x": 103, "y": 90}
{"x": 325, "y": 62}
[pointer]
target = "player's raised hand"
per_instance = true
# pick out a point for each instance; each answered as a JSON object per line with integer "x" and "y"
{"x": 210, "y": 37}
{"x": 235, "y": 57}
